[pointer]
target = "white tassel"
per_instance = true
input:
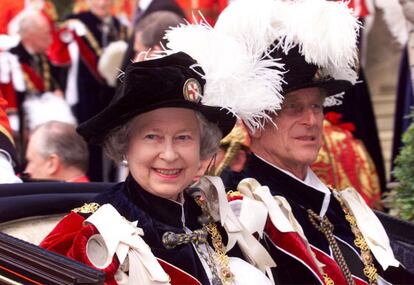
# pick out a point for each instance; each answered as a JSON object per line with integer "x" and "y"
{"x": 238, "y": 77}
{"x": 334, "y": 100}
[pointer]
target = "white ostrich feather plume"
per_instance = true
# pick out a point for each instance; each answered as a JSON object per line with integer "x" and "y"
{"x": 253, "y": 27}
{"x": 328, "y": 41}
{"x": 238, "y": 77}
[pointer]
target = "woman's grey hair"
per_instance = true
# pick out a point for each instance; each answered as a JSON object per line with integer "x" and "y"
{"x": 117, "y": 141}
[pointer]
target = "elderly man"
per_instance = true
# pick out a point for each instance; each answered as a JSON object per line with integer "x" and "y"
{"x": 150, "y": 32}
{"x": 24, "y": 67}
{"x": 56, "y": 152}
{"x": 315, "y": 234}
{"x": 87, "y": 35}
{"x": 93, "y": 31}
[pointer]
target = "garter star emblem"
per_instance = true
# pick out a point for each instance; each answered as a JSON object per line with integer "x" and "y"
{"x": 192, "y": 90}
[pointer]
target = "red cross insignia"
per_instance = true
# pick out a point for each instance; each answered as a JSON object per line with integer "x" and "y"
{"x": 192, "y": 90}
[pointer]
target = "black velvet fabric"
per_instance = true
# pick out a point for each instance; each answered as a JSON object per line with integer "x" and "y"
{"x": 156, "y": 215}
{"x": 150, "y": 85}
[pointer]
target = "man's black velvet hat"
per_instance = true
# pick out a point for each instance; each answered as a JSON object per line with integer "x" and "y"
{"x": 301, "y": 74}
{"x": 158, "y": 83}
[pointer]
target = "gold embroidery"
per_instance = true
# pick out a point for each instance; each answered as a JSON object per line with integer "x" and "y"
{"x": 232, "y": 194}
{"x": 328, "y": 280}
{"x": 87, "y": 208}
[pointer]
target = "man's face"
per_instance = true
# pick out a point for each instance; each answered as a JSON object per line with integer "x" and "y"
{"x": 293, "y": 144}
{"x": 38, "y": 167}
{"x": 101, "y": 8}
{"x": 41, "y": 37}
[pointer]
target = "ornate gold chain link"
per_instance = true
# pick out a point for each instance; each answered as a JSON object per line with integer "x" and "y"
{"x": 369, "y": 269}
{"x": 225, "y": 273}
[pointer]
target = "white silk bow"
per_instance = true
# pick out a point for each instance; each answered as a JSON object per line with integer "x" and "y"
{"x": 123, "y": 238}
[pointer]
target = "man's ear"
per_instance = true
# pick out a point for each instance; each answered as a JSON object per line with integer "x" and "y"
{"x": 53, "y": 164}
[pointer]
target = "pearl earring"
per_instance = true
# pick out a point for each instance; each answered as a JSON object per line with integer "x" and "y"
{"x": 124, "y": 161}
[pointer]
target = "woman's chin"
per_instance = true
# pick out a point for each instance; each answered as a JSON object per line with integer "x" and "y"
{"x": 167, "y": 191}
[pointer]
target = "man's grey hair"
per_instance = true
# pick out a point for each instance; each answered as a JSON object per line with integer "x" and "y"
{"x": 116, "y": 143}
{"x": 26, "y": 21}
{"x": 152, "y": 28}
{"x": 62, "y": 139}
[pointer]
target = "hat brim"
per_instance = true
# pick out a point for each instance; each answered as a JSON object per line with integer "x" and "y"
{"x": 95, "y": 130}
{"x": 330, "y": 86}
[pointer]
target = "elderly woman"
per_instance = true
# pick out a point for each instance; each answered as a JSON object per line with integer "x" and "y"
{"x": 157, "y": 126}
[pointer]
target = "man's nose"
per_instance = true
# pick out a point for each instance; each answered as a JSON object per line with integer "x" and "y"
{"x": 309, "y": 116}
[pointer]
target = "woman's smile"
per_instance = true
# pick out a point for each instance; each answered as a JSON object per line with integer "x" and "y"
{"x": 168, "y": 173}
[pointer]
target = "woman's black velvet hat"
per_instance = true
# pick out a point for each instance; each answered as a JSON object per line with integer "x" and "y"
{"x": 301, "y": 74}
{"x": 158, "y": 83}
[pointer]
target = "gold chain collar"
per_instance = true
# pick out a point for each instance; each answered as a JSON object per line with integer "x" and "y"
{"x": 225, "y": 274}
{"x": 369, "y": 268}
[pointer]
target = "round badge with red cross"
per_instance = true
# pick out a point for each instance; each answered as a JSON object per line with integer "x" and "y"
{"x": 192, "y": 90}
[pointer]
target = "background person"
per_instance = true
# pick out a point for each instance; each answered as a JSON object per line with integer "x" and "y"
{"x": 26, "y": 70}
{"x": 87, "y": 35}
{"x": 56, "y": 152}
{"x": 143, "y": 9}
{"x": 150, "y": 33}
